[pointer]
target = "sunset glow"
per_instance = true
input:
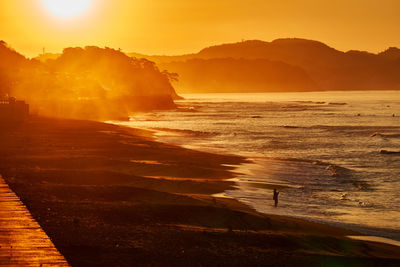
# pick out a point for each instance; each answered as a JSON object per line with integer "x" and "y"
{"x": 210, "y": 133}
{"x": 67, "y": 8}
{"x": 189, "y": 26}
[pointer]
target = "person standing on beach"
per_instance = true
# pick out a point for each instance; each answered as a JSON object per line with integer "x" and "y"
{"x": 275, "y": 197}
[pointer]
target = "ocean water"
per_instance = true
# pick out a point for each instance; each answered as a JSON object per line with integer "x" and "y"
{"x": 322, "y": 150}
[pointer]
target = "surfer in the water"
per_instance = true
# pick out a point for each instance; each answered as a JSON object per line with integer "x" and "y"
{"x": 275, "y": 197}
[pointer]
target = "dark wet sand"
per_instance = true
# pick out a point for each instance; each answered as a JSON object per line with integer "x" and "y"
{"x": 112, "y": 196}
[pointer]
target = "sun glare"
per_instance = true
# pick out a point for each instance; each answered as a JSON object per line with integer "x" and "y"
{"x": 67, "y": 8}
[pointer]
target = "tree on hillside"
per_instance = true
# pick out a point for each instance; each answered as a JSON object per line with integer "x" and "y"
{"x": 89, "y": 82}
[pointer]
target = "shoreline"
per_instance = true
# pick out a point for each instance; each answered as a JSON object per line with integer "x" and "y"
{"x": 91, "y": 187}
{"x": 366, "y": 231}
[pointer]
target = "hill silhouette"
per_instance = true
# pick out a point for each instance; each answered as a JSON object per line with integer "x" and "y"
{"x": 90, "y": 83}
{"x": 229, "y": 75}
{"x": 11, "y": 62}
{"x": 328, "y": 68}
{"x": 391, "y": 54}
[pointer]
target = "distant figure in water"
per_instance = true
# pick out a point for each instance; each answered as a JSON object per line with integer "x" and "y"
{"x": 275, "y": 197}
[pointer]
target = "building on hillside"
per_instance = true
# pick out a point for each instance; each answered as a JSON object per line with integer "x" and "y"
{"x": 12, "y": 110}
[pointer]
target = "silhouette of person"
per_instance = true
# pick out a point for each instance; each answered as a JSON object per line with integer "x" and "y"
{"x": 275, "y": 197}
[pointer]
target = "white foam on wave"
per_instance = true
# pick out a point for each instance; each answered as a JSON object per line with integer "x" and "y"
{"x": 270, "y": 126}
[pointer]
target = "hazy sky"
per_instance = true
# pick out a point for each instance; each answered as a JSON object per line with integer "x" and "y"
{"x": 182, "y": 26}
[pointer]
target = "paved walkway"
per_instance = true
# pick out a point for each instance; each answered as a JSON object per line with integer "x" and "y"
{"x": 22, "y": 241}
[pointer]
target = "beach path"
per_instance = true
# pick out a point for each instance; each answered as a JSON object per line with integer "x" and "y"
{"x": 22, "y": 240}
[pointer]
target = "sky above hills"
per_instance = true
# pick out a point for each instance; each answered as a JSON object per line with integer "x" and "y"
{"x": 182, "y": 26}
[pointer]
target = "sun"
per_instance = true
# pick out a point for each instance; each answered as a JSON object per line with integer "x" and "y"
{"x": 67, "y": 8}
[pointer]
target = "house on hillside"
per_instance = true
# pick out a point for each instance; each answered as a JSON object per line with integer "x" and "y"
{"x": 12, "y": 110}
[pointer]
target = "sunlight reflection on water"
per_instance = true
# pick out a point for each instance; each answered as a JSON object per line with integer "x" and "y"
{"x": 323, "y": 146}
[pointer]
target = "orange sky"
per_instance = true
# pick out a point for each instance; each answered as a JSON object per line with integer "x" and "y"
{"x": 182, "y": 26}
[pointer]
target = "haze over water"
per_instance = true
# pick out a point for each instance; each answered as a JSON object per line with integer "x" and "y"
{"x": 321, "y": 149}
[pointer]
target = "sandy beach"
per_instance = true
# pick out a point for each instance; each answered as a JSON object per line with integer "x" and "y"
{"x": 113, "y": 196}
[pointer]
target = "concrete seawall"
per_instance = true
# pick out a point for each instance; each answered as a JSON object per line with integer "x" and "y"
{"x": 22, "y": 240}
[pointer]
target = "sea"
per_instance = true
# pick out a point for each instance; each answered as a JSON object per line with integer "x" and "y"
{"x": 333, "y": 156}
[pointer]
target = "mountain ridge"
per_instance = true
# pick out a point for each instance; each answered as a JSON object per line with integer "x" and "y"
{"x": 329, "y": 68}
{"x": 168, "y": 58}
